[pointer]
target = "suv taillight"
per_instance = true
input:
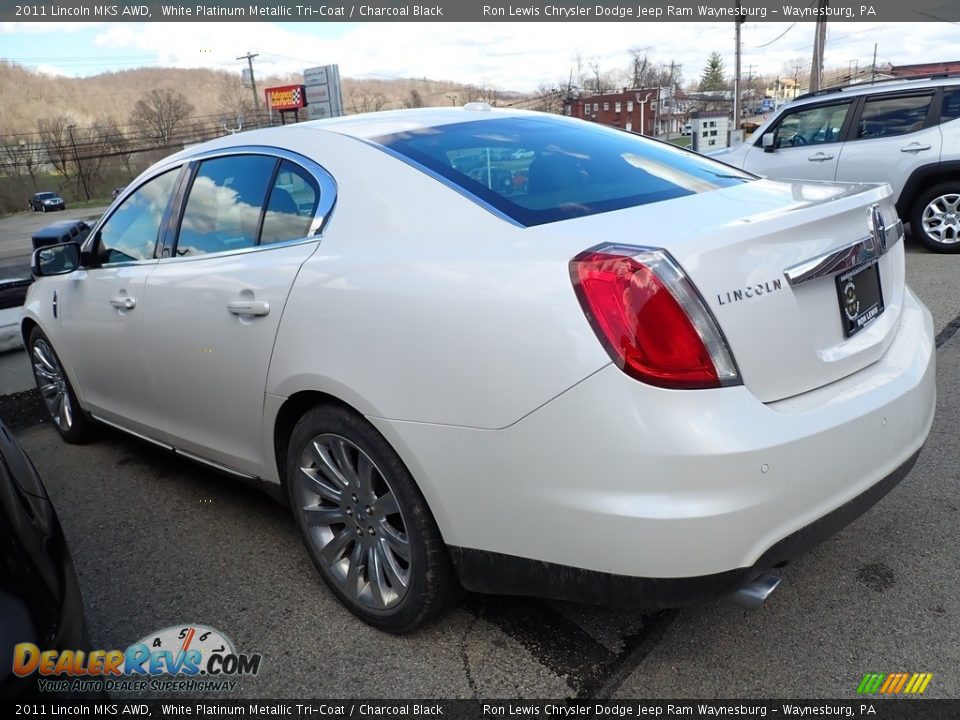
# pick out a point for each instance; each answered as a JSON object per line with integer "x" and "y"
{"x": 650, "y": 318}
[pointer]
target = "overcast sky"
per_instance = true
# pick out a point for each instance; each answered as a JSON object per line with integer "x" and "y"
{"x": 509, "y": 56}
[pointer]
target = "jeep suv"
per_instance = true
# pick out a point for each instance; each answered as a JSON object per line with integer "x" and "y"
{"x": 904, "y": 132}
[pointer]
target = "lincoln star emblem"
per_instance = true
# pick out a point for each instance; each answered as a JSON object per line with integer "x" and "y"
{"x": 878, "y": 229}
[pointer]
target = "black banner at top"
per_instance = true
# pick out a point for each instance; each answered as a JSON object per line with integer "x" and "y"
{"x": 213, "y": 708}
{"x": 485, "y": 11}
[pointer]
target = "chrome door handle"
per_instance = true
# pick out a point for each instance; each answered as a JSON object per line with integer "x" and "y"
{"x": 249, "y": 307}
{"x": 914, "y": 147}
{"x": 820, "y": 157}
{"x": 123, "y": 302}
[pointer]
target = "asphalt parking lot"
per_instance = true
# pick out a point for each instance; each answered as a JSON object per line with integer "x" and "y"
{"x": 159, "y": 541}
{"x": 16, "y": 230}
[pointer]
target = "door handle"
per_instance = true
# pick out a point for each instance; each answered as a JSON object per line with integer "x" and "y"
{"x": 123, "y": 302}
{"x": 914, "y": 147}
{"x": 820, "y": 157}
{"x": 249, "y": 307}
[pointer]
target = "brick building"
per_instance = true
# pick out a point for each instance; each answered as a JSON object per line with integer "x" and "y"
{"x": 635, "y": 110}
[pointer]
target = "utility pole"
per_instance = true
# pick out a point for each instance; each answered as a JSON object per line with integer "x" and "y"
{"x": 76, "y": 157}
{"x": 253, "y": 83}
{"x": 673, "y": 101}
{"x": 873, "y": 67}
{"x": 736, "y": 74}
{"x": 819, "y": 42}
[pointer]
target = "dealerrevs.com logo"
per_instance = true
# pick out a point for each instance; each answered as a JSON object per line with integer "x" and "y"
{"x": 184, "y": 658}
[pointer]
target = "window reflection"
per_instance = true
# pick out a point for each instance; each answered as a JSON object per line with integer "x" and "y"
{"x": 131, "y": 233}
{"x": 223, "y": 209}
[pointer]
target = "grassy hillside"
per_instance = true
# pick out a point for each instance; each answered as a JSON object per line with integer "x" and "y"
{"x": 30, "y": 96}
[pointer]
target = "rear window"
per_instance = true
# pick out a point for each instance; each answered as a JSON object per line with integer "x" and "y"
{"x": 540, "y": 170}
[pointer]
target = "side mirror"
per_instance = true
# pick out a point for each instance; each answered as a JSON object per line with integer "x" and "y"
{"x": 55, "y": 260}
{"x": 768, "y": 141}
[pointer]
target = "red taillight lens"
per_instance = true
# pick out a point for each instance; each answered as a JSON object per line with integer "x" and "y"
{"x": 649, "y": 317}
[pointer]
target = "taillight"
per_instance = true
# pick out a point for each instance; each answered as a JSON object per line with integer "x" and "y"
{"x": 650, "y": 318}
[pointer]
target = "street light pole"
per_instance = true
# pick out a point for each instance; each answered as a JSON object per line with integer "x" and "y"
{"x": 736, "y": 72}
{"x": 76, "y": 158}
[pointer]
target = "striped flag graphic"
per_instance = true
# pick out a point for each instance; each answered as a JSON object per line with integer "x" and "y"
{"x": 894, "y": 683}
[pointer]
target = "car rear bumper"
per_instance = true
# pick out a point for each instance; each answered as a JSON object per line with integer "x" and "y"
{"x": 495, "y": 573}
{"x": 614, "y": 478}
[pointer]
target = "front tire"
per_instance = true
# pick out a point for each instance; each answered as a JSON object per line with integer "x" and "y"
{"x": 365, "y": 523}
{"x": 56, "y": 393}
{"x": 935, "y": 218}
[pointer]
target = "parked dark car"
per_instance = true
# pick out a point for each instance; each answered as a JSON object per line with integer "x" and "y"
{"x": 39, "y": 594}
{"x": 45, "y": 201}
{"x": 61, "y": 232}
{"x": 116, "y": 191}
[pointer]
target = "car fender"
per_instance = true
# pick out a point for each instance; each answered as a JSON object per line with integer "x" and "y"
{"x": 921, "y": 179}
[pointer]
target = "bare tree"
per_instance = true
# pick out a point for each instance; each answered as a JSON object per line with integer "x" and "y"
{"x": 233, "y": 101}
{"x": 549, "y": 99}
{"x": 19, "y": 157}
{"x": 57, "y": 145}
{"x": 102, "y": 140}
{"x": 414, "y": 99}
{"x": 161, "y": 112}
{"x": 640, "y": 67}
{"x": 360, "y": 102}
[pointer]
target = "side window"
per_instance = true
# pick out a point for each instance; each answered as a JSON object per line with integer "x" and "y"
{"x": 224, "y": 205}
{"x": 890, "y": 116}
{"x": 292, "y": 205}
{"x": 131, "y": 232}
{"x": 951, "y": 104}
{"x": 811, "y": 126}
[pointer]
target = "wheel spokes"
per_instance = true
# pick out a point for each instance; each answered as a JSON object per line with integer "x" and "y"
{"x": 319, "y": 515}
{"x": 325, "y": 463}
{"x": 320, "y": 485}
{"x": 353, "y": 518}
{"x": 52, "y": 385}
{"x": 331, "y": 552}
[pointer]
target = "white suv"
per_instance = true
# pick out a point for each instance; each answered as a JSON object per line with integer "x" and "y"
{"x": 904, "y": 132}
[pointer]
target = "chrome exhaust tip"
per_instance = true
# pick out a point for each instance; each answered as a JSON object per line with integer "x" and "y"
{"x": 755, "y": 593}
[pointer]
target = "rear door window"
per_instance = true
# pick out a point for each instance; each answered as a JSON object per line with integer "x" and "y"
{"x": 224, "y": 205}
{"x": 885, "y": 116}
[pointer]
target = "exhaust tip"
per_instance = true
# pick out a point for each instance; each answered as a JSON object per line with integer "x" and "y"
{"x": 755, "y": 593}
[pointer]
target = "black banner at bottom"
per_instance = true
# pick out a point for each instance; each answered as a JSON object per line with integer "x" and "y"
{"x": 910, "y": 709}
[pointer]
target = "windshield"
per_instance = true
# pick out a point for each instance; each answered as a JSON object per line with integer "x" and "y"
{"x": 540, "y": 170}
{"x": 45, "y": 196}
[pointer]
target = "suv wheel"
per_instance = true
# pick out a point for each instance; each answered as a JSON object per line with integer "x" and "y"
{"x": 936, "y": 218}
{"x": 364, "y": 522}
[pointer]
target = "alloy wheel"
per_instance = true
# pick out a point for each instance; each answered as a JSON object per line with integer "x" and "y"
{"x": 52, "y": 384}
{"x": 351, "y": 515}
{"x": 941, "y": 219}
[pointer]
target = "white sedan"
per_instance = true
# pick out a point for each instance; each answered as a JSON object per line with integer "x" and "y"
{"x": 620, "y": 373}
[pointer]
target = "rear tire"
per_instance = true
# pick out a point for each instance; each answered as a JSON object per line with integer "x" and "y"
{"x": 365, "y": 523}
{"x": 935, "y": 218}
{"x": 56, "y": 393}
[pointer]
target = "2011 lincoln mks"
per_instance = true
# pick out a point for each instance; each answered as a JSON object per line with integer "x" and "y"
{"x": 519, "y": 352}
